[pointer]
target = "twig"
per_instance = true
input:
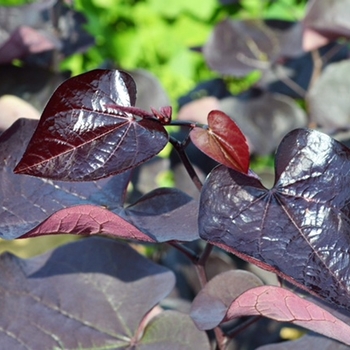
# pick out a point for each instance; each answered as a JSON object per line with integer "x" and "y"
{"x": 243, "y": 326}
{"x": 180, "y": 148}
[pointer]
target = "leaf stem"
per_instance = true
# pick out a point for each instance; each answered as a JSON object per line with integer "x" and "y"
{"x": 186, "y": 251}
{"x": 243, "y": 326}
{"x": 180, "y": 148}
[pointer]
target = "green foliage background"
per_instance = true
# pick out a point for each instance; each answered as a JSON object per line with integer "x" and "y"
{"x": 157, "y": 35}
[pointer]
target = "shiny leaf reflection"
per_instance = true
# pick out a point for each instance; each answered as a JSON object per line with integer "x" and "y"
{"x": 299, "y": 229}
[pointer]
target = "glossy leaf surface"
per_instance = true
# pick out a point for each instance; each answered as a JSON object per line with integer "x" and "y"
{"x": 43, "y": 306}
{"x": 36, "y": 206}
{"x": 282, "y": 305}
{"x": 223, "y": 141}
{"x": 83, "y": 136}
{"x": 300, "y": 228}
{"x": 264, "y": 118}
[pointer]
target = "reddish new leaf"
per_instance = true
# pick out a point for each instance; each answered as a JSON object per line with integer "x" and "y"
{"x": 82, "y": 135}
{"x": 223, "y": 141}
{"x": 300, "y": 228}
{"x": 282, "y": 305}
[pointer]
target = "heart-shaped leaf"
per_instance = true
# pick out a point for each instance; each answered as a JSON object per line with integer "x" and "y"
{"x": 239, "y": 47}
{"x": 264, "y": 118}
{"x": 34, "y": 206}
{"x": 210, "y": 306}
{"x": 223, "y": 141}
{"x": 86, "y": 136}
{"x": 325, "y": 21}
{"x": 282, "y": 305}
{"x": 300, "y": 228}
{"x": 327, "y": 98}
{"x": 173, "y": 330}
{"x": 82, "y": 295}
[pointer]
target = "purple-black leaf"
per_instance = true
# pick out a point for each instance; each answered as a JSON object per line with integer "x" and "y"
{"x": 27, "y": 201}
{"x": 325, "y": 21}
{"x": 299, "y": 229}
{"x": 327, "y": 99}
{"x": 165, "y": 214}
{"x": 239, "y": 47}
{"x": 211, "y": 304}
{"x": 34, "y": 207}
{"x": 83, "y": 136}
{"x": 82, "y": 295}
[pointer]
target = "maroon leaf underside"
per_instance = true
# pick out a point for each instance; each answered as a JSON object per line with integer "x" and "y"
{"x": 44, "y": 308}
{"x": 300, "y": 228}
{"x": 34, "y": 206}
{"x": 223, "y": 141}
{"x": 282, "y": 305}
{"x": 82, "y": 136}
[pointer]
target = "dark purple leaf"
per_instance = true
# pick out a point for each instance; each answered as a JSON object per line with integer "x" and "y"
{"x": 27, "y": 201}
{"x": 292, "y": 76}
{"x": 23, "y": 31}
{"x": 310, "y": 342}
{"x": 222, "y": 141}
{"x": 29, "y": 31}
{"x": 264, "y": 118}
{"x": 25, "y": 41}
{"x": 35, "y": 85}
{"x": 165, "y": 214}
{"x": 86, "y": 136}
{"x": 282, "y": 305}
{"x": 239, "y": 47}
{"x": 150, "y": 92}
{"x": 36, "y": 207}
{"x": 82, "y": 295}
{"x": 211, "y": 304}
{"x": 327, "y": 99}
{"x": 300, "y": 228}
{"x": 325, "y": 21}
{"x": 173, "y": 330}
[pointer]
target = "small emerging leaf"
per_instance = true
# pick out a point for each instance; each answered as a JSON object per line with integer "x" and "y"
{"x": 223, "y": 141}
